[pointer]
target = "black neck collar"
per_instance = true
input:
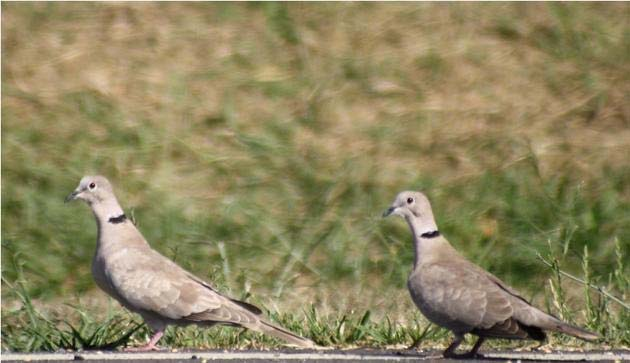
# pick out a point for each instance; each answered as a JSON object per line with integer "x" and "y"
{"x": 115, "y": 220}
{"x": 431, "y": 234}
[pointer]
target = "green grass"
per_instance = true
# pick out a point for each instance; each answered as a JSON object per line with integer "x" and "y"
{"x": 258, "y": 144}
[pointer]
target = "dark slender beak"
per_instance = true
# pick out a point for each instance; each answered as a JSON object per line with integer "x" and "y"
{"x": 72, "y": 196}
{"x": 389, "y": 211}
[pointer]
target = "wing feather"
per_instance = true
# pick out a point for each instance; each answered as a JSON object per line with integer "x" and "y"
{"x": 146, "y": 281}
{"x": 463, "y": 298}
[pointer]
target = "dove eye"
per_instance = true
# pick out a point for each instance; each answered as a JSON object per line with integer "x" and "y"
{"x": 409, "y": 200}
{"x": 92, "y": 185}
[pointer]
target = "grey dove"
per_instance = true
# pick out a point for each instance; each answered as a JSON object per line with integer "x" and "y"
{"x": 460, "y": 296}
{"x": 147, "y": 283}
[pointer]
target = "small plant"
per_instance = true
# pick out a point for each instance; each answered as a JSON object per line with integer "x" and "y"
{"x": 613, "y": 323}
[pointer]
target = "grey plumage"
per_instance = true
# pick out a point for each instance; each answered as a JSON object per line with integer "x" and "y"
{"x": 460, "y": 296}
{"x": 147, "y": 283}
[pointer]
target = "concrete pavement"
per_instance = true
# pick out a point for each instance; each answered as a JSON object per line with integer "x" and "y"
{"x": 310, "y": 356}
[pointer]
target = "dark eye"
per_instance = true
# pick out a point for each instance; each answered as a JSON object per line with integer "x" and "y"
{"x": 92, "y": 185}
{"x": 409, "y": 200}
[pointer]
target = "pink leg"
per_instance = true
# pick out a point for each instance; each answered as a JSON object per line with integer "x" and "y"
{"x": 150, "y": 346}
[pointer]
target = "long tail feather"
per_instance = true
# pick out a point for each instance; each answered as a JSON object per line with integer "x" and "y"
{"x": 575, "y": 331}
{"x": 285, "y": 335}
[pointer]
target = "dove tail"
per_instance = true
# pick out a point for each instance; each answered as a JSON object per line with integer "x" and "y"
{"x": 575, "y": 331}
{"x": 285, "y": 335}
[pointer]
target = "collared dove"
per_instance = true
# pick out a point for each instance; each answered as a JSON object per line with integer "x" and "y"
{"x": 460, "y": 296}
{"x": 147, "y": 283}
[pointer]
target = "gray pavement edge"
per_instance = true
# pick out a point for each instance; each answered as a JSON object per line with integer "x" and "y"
{"x": 306, "y": 356}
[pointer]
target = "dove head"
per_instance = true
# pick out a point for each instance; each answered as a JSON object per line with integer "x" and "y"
{"x": 92, "y": 190}
{"x": 416, "y": 209}
{"x": 97, "y": 192}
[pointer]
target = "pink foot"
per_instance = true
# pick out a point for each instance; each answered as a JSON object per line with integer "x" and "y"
{"x": 150, "y": 346}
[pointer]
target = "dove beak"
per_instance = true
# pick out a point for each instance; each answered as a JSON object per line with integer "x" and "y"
{"x": 389, "y": 211}
{"x": 72, "y": 196}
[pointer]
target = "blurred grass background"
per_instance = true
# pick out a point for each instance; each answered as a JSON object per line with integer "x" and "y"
{"x": 257, "y": 144}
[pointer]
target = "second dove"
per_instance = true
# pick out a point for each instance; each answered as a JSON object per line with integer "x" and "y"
{"x": 460, "y": 296}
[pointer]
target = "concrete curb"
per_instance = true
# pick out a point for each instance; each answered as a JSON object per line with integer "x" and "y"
{"x": 306, "y": 356}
